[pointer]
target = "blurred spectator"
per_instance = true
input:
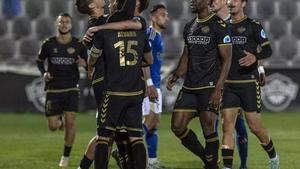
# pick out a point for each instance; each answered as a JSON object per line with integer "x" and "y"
{"x": 11, "y": 8}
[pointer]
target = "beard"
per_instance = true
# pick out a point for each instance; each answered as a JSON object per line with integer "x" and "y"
{"x": 64, "y": 33}
{"x": 161, "y": 26}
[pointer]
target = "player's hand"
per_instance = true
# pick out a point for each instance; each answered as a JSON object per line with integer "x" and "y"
{"x": 81, "y": 62}
{"x": 152, "y": 93}
{"x": 248, "y": 60}
{"x": 215, "y": 100}
{"x": 171, "y": 82}
{"x": 262, "y": 79}
{"x": 47, "y": 76}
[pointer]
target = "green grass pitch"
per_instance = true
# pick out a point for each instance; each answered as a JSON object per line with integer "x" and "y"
{"x": 26, "y": 143}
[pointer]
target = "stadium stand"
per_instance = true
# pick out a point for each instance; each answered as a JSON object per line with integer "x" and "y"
{"x": 265, "y": 9}
{"x": 3, "y": 27}
{"x": 21, "y": 27}
{"x": 7, "y": 48}
{"x": 29, "y": 48}
{"x": 296, "y": 27}
{"x": 280, "y": 29}
{"x": 45, "y": 27}
{"x": 34, "y": 8}
{"x": 279, "y": 17}
{"x": 288, "y": 8}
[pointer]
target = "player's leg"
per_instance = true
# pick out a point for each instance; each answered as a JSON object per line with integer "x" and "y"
{"x": 242, "y": 140}
{"x": 88, "y": 157}
{"x": 123, "y": 154}
{"x": 230, "y": 108}
{"x": 252, "y": 107}
{"x": 185, "y": 110}
{"x": 53, "y": 111}
{"x": 133, "y": 122}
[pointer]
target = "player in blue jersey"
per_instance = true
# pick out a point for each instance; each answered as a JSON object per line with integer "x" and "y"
{"x": 153, "y": 108}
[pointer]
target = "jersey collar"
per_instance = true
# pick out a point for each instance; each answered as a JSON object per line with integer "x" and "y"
{"x": 205, "y": 19}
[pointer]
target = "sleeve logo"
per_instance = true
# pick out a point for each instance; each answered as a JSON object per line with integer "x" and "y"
{"x": 263, "y": 34}
{"x": 227, "y": 39}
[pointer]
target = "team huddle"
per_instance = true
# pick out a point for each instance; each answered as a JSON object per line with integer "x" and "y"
{"x": 222, "y": 67}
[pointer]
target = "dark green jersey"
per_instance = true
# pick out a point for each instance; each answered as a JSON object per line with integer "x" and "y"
{"x": 61, "y": 60}
{"x": 247, "y": 35}
{"x": 202, "y": 38}
{"x": 122, "y": 52}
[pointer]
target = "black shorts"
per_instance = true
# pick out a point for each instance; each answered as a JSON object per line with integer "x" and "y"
{"x": 193, "y": 101}
{"x": 121, "y": 113}
{"x": 58, "y": 103}
{"x": 242, "y": 95}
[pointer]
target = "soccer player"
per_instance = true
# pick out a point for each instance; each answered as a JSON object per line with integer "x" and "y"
{"x": 241, "y": 90}
{"x": 121, "y": 107}
{"x": 206, "y": 61}
{"x": 220, "y": 7}
{"x": 153, "y": 108}
{"x": 63, "y": 53}
{"x": 94, "y": 8}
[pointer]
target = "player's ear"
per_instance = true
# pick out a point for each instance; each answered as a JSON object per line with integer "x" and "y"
{"x": 92, "y": 5}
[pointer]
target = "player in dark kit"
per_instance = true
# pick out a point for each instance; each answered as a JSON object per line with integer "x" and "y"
{"x": 121, "y": 108}
{"x": 241, "y": 89}
{"x": 94, "y": 8}
{"x": 205, "y": 61}
{"x": 63, "y": 53}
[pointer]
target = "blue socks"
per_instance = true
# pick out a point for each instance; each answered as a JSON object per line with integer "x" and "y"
{"x": 152, "y": 141}
{"x": 242, "y": 140}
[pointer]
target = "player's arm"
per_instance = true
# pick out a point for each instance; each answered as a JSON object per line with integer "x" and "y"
{"x": 262, "y": 40}
{"x": 43, "y": 54}
{"x": 96, "y": 50}
{"x": 82, "y": 57}
{"x": 180, "y": 70}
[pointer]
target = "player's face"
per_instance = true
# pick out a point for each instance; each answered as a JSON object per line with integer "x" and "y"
{"x": 198, "y": 5}
{"x": 64, "y": 24}
{"x": 236, "y": 6}
{"x": 160, "y": 17}
{"x": 218, "y": 4}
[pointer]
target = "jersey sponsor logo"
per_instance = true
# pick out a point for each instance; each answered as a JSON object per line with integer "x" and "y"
{"x": 263, "y": 34}
{"x": 227, "y": 39}
{"x": 71, "y": 50}
{"x": 241, "y": 29}
{"x": 239, "y": 40}
{"x": 202, "y": 40}
{"x": 62, "y": 61}
{"x": 205, "y": 29}
{"x": 279, "y": 92}
{"x": 36, "y": 94}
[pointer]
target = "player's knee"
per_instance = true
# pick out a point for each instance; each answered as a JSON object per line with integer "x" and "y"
{"x": 177, "y": 129}
{"x": 52, "y": 127}
{"x": 254, "y": 129}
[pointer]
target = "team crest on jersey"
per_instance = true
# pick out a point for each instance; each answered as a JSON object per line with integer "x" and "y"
{"x": 241, "y": 29}
{"x": 71, "y": 50}
{"x": 279, "y": 92}
{"x": 263, "y": 34}
{"x": 55, "y": 50}
{"x": 227, "y": 39}
{"x": 205, "y": 29}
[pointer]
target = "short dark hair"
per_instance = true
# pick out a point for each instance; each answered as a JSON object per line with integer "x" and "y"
{"x": 143, "y": 5}
{"x": 64, "y": 15}
{"x": 157, "y": 7}
{"x": 83, "y": 6}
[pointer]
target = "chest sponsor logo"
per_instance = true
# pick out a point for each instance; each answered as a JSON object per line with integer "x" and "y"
{"x": 71, "y": 50}
{"x": 62, "y": 61}
{"x": 36, "y": 94}
{"x": 279, "y": 92}
{"x": 239, "y": 40}
{"x": 200, "y": 40}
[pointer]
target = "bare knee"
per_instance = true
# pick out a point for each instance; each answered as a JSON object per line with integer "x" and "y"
{"x": 178, "y": 129}
{"x": 52, "y": 126}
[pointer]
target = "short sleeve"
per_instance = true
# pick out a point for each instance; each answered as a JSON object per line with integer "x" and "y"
{"x": 223, "y": 33}
{"x": 142, "y": 21}
{"x": 185, "y": 33}
{"x": 147, "y": 47}
{"x": 260, "y": 34}
{"x": 98, "y": 43}
{"x": 82, "y": 51}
